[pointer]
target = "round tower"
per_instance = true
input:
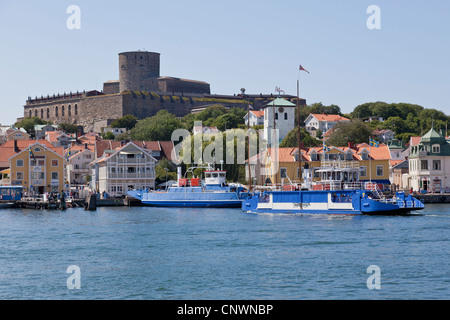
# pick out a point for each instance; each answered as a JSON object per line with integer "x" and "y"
{"x": 138, "y": 70}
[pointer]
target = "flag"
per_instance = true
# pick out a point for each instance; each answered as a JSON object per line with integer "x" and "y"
{"x": 279, "y": 90}
{"x": 373, "y": 143}
{"x": 303, "y": 69}
{"x": 32, "y": 155}
{"x": 68, "y": 152}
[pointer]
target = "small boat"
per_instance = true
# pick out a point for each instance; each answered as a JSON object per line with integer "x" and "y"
{"x": 212, "y": 192}
{"x": 340, "y": 192}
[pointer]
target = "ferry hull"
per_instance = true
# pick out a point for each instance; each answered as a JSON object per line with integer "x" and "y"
{"x": 189, "y": 198}
{"x": 348, "y": 202}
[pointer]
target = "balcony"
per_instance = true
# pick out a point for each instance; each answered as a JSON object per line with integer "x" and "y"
{"x": 131, "y": 176}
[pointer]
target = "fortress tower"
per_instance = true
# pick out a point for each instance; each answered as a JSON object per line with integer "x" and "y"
{"x": 139, "y": 70}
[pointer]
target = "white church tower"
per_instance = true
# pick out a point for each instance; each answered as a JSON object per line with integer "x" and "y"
{"x": 279, "y": 114}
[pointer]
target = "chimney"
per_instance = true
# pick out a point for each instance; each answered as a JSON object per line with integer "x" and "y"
{"x": 85, "y": 146}
{"x": 16, "y": 148}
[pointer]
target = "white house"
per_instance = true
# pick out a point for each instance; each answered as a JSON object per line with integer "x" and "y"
{"x": 205, "y": 130}
{"x": 40, "y": 130}
{"x": 279, "y": 114}
{"x": 256, "y": 118}
{"x": 429, "y": 163}
{"x": 384, "y": 135}
{"x": 58, "y": 138}
{"x": 322, "y": 122}
{"x": 78, "y": 168}
{"x": 126, "y": 168}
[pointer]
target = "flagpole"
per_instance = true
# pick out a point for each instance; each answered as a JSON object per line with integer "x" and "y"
{"x": 299, "y": 135}
{"x": 370, "y": 162}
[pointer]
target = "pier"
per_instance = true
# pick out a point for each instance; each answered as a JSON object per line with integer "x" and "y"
{"x": 433, "y": 197}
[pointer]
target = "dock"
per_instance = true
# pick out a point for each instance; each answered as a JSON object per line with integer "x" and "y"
{"x": 433, "y": 197}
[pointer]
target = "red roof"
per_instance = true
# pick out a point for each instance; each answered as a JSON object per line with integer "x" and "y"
{"x": 7, "y": 150}
{"x": 329, "y": 117}
{"x": 259, "y": 113}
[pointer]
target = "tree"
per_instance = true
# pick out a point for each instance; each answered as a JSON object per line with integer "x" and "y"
{"x": 68, "y": 127}
{"x": 159, "y": 127}
{"x": 29, "y": 123}
{"x": 128, "y": 122}
{"x": 291, "y": 140}
{"x": 355, "y": 131}
{"x": 109, "y": 136}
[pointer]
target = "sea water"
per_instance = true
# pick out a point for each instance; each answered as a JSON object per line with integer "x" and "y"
{"x": 222, "y": 254}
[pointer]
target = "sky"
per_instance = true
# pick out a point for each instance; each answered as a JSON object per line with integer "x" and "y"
{"x": 256, "y": 45}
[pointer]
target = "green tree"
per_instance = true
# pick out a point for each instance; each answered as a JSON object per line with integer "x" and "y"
{"x": 355, "y": 131}
{"x": 29, "y": 123}
{"x": 68, "y": 127}
{"x": 109, "y": 136}
{"x": 291, "y": 140}
{"x": 128, "y": 122}
{"x": 159, "y": 127}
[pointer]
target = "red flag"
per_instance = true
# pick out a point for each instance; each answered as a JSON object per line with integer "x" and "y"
{"x": 303, "y": 69}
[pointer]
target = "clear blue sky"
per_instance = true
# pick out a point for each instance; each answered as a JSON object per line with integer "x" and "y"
{"x": 232, "y": 44}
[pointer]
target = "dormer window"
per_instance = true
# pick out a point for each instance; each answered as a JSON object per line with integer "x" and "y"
{"x": 365, "y": 156}
{"x": 436, "y": 148}
{"x": 349, "y": 156}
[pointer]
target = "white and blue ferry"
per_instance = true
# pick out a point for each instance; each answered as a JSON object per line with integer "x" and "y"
{"x": 338, "y": 194}
{"x": 212, "y": 192}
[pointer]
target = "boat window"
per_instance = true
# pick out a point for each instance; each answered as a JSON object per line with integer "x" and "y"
{"x": 208, "y": 175}
{"x": 222, "y": 175}
{"x": 214, "y": 175}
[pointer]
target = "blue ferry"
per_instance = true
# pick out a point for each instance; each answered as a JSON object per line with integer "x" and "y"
{"x": 352, "y": 202}
{"x": 212, "y": 192}
{"x": 338, "y": 192}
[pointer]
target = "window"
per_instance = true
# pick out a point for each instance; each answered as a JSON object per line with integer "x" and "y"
{"x": 62, "y": 111}
{"x": 69, "y": 111}
{"x": 365, "y": 156}
{"x": 76, "y": 109}
{"x": 436, "y": 148}
{"x": 42, "y": 113}
{"x": 19, "y": 175}
{"x": 363, "y": 172}
{"x": 436, "y": 164}
{"x": 283, "y": 172}
{"x": 37, "y": 176}
{"x": 276, "y": 116}
{"x": 379, "y": 171}
{"x": 56, "y": 111}
{"x": 19, "y": 163}
{"x": 285, "y": 116}
{"x": 48, "y": 113}
{"x": 41, "y": 163}
{"x": 424, "y": 164}
{"x": 54, "y": 163}
{"x": 54, "y": 175}
{"x": 349, "y": 156}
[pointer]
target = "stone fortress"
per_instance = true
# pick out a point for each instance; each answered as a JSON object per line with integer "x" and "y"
{"x": 140, "y": 91}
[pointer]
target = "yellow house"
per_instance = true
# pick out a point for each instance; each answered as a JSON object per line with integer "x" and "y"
{"x": 39, "y": 167}
{"x": 373, "y": 162}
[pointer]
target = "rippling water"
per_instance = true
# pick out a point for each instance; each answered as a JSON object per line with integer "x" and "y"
{"x": 205, "y": 254}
